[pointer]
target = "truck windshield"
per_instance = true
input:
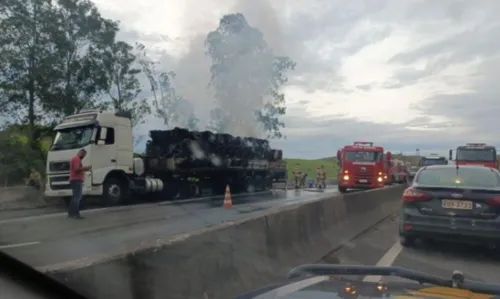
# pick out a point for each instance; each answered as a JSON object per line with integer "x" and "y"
{"x": 362, "y": 156}
{"x": 72, "y": 138}
{"x": 475, "y": 154}
{"x": 429, "y": 162}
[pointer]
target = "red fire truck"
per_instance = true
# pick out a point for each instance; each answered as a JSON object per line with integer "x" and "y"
{"x": 475, "y": 154}
{"x": 397, "y": 172}
{"x": 361, "y": 166}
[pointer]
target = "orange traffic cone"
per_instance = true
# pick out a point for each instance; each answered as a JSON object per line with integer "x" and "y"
{"x": 228, "y": 202}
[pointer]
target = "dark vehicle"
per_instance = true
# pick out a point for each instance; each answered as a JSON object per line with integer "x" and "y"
{"x": 452, "y": 202}
{"x": 432, "y": 160}
{"x": 322, "y": 281}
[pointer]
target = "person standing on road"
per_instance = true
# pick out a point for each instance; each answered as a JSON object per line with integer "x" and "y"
{"x": 323, "y": 177}
{"x": 297, "y": 175}
{"x": 76, "y": 173}
{"x": 318, "y": 176}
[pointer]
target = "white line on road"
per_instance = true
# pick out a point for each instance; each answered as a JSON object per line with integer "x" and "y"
{"x": 18, "y": 245}
{"x": 386, "y": 261}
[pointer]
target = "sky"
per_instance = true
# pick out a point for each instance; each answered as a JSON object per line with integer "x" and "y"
{"x": 402, "y": 74}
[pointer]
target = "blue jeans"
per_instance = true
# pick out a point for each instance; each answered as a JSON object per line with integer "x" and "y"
{"x": 77, "y": 189}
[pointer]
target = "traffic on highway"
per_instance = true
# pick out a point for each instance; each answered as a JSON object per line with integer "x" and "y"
{"x": 445, "y": 202}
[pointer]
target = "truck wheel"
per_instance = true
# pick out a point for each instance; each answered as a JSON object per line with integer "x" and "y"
{"x": 115, "y": 192}
{"x": 342, "y": 189}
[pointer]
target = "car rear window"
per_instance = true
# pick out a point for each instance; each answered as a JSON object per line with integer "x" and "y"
{"x": 467, "y": 177}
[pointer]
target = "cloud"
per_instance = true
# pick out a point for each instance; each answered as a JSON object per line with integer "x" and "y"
{"x": 405, "y": 74}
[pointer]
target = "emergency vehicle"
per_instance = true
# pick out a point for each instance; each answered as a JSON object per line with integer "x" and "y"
{"x": 361, "y": 166}
{"x": 397, "y": 172}
{"x": 475, "y": 154}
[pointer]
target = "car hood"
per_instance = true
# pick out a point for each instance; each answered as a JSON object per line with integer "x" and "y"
{"x": 327, "y": 288}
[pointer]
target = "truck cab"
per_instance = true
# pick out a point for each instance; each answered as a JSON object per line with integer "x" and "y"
{"x": 107, "y": 138}
{"x": 475, "y": 154}
{"x": 432, "y": 159}
{"x": 361, "y": 166}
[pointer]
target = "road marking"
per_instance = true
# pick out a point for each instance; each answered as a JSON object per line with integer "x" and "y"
{"x": 18, "y": 245}
{"x": 386, "y": 261}
{"x": 291, "y": 288}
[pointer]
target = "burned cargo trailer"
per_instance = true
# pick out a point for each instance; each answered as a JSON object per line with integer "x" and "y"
{"x": 192, "y": 163}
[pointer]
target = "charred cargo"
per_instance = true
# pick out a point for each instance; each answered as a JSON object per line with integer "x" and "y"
{"x": 182, "y": 149}
{"x": 194, "y": 161}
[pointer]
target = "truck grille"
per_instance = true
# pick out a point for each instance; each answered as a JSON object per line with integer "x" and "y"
{"x": 363, "y": 171}
{"x": 59, "y": 166}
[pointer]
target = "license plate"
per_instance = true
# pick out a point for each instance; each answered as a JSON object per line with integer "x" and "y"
{"x": 456, "y": 204}
{"x": 363, "y": 181}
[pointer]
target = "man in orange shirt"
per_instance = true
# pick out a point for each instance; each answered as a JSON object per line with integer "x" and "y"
{"x": 76, "y": 174}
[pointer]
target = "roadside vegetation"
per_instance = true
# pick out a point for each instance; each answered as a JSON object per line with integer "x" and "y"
{"x": 309, "y": 167}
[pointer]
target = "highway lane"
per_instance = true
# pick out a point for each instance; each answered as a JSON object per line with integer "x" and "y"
{"x": 380, "y": 246}
{"x": 53, "y": 239}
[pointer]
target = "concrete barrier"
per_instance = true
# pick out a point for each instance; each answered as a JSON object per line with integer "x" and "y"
{"x": 228, "y": 259}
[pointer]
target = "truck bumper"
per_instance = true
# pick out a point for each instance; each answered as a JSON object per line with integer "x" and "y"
{"x": 354, "y": 185}
{"x": 58, "y": 186}
{"x": 87, "y": 191}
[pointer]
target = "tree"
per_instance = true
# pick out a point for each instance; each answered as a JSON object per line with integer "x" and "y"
{"x": 51, "y": 59}
{"x": 81, "y": 40}
{"x": 124, "y": 85}
{"x": 246, "y": 75}
{"x": 27, "y": 28}
{"x": 165, "y": 98}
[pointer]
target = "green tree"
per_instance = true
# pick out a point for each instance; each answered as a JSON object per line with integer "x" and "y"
{"x": 124, "y": 84}
{"x": 26, "y": 49}
{"x": 246, "y": 75}
{"x": 165, "y": 98}
{"x": 81, "y": 40}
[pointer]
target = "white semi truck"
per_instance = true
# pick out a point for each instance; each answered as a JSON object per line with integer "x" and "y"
{"x": 167, "y": 170}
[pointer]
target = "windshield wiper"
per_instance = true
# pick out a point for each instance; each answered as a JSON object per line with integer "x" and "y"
{"x": 457, "y": 279}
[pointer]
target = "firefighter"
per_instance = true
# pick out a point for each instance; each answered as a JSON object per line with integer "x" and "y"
{"x": 297, "y": 174}
{"x": 318, "y": 176}
{"x": 303, "y": 180}
{"x": 35, "y": 179}
{"x": 323, "y": 177}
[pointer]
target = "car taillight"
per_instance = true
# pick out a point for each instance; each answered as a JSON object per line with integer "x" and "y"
{"x": 412, "y": 195}
{"x": 493, "y": 201}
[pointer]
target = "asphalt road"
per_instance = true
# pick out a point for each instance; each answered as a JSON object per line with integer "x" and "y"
{"x": 50, "y": 239}
{"x": 380, "y": 246}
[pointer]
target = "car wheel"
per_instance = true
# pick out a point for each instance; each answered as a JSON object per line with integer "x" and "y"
{"x": 406, "y": 241}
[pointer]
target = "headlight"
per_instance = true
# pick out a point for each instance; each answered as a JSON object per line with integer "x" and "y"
{"x": 380, "y": 179}
{"x": 346, "y": 177}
